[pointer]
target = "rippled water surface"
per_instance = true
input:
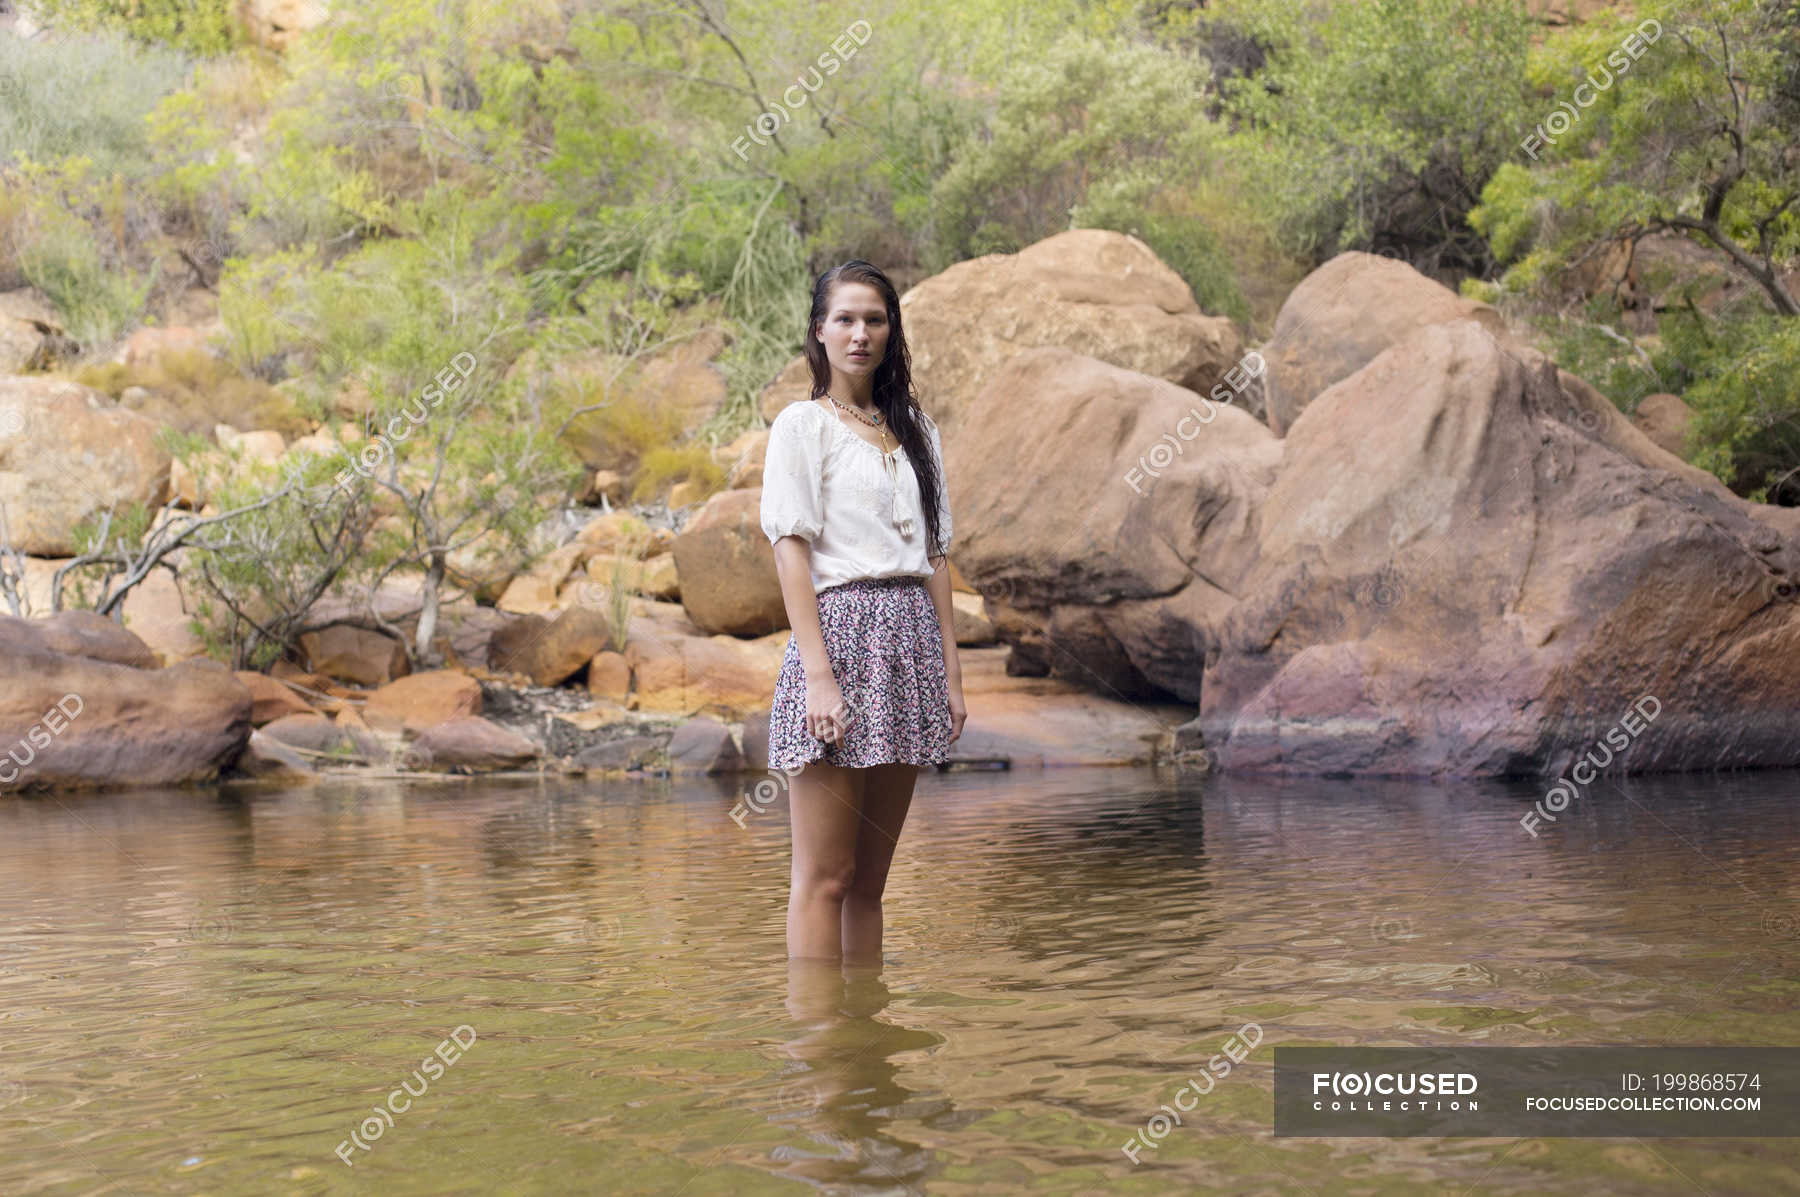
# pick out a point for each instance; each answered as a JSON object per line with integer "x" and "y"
{"x": 212, "y": 992}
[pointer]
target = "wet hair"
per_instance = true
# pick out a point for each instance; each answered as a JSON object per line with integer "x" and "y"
{"x": 894, "y": 396}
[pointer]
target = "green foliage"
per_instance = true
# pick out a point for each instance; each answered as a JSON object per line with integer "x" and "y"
{"x": 1687, "y": 130}
{"x": 1374, "y": 125}
{"x": 1673, "y": 138}
{"x": 1744, "y": 387}
{"x": 1089, "y": 122}
{"x": 1591, "y": 346}
{"x": 261, "y": 573}
{"x": 1738, "y": 369}
{"x": 55, "y": 243}
{"x": 196, "y": 26}
{"x": 1179, "y": 238}
{"x": 83, "y": 96}
{"x": 637, "y": 278}
{"x": 116, "y": 531}
{"x": 667, "y": 464}
{"x": 193, "y": 391}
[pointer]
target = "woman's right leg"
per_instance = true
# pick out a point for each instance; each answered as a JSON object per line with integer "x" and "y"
{"x": 824, "y": 809}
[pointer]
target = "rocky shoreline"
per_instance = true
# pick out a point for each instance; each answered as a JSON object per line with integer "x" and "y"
{"x": 1392, "y": 539}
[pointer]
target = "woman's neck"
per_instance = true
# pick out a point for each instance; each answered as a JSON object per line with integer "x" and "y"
{"x": 858, "y": 393}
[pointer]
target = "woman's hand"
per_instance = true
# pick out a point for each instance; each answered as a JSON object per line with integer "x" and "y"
{"x": 827, "y": 716}
{"x": 958, "y": 711}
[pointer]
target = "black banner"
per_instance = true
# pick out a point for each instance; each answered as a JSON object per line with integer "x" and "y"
{"x": 1538, "y": 1092}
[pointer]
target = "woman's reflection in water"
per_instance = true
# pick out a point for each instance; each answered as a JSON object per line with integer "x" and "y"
{"x": 842, "y": 1092}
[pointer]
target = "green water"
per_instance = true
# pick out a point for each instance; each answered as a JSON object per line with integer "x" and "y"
{"x": 209, "y": 992}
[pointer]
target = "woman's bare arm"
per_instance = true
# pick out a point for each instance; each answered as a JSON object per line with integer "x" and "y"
{"x": 938, "y": 584}
{"x": 793, "y": 565}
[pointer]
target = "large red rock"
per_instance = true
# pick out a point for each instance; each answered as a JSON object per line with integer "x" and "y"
{"x": 551, "y": 651}
{"x": 67, "y": 454}
{"x": 416, "y": 702}
{"x": 353, "y": 654}
{"x": 74, "y": 722}
{"x": 1104, "y": 540}
{"x": 727, "y": 567}
{"x": 272, "y": 698}
{"x": 1094, "y": 292}
{"x": 94, "y": 636}
{"x": 470, "y": 744}
{"x": 1459, "y": 575}
{"x": 681, "y": 673}
{"x": 1342, "y": 315}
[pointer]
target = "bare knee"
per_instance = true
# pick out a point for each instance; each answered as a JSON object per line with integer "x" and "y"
{"x": 830, "y": 883}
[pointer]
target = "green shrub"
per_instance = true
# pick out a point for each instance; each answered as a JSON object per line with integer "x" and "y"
{"x": 83, "y": 96}
{"x": 1374, "y": 125}
{"x": 196, "y": 26}
{"x": 98, "y": 296}
{"x": 1091, "y": 122}
{"x": 194, "y": 392}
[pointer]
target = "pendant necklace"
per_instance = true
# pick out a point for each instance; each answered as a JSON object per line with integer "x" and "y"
{"x": 902, "y": 518}
{"x": 874, "y": 422}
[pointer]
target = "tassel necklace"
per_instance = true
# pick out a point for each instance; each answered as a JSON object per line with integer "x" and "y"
{"x": 901, "y": 517}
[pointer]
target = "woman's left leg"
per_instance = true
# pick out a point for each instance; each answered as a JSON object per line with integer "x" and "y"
{"x": 887, "y": 795}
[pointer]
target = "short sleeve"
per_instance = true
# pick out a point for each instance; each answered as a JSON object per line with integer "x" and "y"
{"x": 794, "y": 476}
{"x": 943, "y": 505}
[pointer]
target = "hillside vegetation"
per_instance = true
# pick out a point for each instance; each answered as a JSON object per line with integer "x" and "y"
{"x": 542, "y": 208}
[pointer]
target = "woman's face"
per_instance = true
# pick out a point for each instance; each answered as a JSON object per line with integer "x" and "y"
{"x": 855, "y": 330}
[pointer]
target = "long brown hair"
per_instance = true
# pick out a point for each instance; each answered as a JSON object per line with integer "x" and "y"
{"x": 893, "y": 396}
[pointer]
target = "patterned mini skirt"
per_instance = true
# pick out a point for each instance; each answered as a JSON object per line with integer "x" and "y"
{"x": 887, "y": 654}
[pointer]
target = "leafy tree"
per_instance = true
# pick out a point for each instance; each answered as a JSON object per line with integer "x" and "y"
{"x": 1375, "y": 125}
{"x": 196, "y": 26}
{"x": 1089, "y": 134}
{"x": 293, "y": 537}
{"x": 1691, "y": 130}
{"x": 1684, "y": 126}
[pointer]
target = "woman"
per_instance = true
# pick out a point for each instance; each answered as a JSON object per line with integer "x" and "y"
{"x": 870, "y": 687}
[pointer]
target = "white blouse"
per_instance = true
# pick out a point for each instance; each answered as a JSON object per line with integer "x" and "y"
{"x": 858, "y": 507}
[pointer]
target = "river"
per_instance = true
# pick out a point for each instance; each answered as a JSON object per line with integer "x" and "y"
{"x": 222, "y": 991}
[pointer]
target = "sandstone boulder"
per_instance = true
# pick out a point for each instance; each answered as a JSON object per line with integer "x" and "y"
{"x": 270, "y": 699}
{"x": 470, "y": 745}
{"x": 609, "y": 676}
{"x": 550, "y": 651}
{"x": 156, "y": 610}
{"x": 71, "y": 722}
{"x": 1458, "y": 574}
{"x": 680, "y": 673}
{"x": 94, "y": 636}
{"x": 1139, "y": 517}
{"x": 353, "y": 654}
{"x": 656, "y": 577}
{"x": 704, "y": 746}
{"x": 275, "y": 24}
{"x": 727, "y": 567}
{"x": 1342, "y": 315}
{"x": 623, "y": 532}
{"x": 147, "y": 344}
{"x": 27, "y": 322}
{"x": 414, "y": 703}
{"x": 1093, "y": 292}
{"x": 67, "y": 454}
{"x": 268, "y": 759}
{"x": 1664, "y": 419}
{"x": 325, "y": 741}
{"x": 970, "y": 621}
{"x": 528, "y": 594}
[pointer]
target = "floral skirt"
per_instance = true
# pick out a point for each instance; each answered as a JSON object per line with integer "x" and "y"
{"x": 887, "y": 654}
